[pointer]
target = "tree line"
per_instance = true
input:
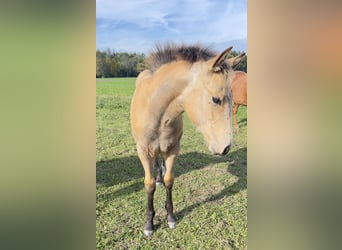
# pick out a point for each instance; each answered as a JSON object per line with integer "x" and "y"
{"x": 118, "y": 64}
{"x": 242, "y": 66}
{"x": 122, "y": 64}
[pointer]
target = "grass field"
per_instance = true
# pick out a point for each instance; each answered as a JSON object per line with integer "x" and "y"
{"x": 209, "y": 195}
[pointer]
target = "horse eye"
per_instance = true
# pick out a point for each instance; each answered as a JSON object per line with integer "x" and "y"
{"x": 216, "y": 100}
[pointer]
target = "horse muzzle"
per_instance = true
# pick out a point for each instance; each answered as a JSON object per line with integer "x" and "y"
{"x": 221, "y": 153}
{"x": 226, "y": 150}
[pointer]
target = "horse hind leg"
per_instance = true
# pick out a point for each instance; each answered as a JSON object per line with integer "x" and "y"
{"x": 160, "y": 171}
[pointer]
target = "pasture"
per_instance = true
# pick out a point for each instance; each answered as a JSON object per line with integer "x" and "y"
{"x": 209, "y": 193}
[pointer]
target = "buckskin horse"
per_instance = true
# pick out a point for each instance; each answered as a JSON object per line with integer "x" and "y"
{"x": 179, "y": 79}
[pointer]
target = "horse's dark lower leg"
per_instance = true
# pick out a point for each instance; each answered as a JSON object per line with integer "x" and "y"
{"x": 150, "y": 187}
{"x": 148, "y": 230}
{"x": 170, "y": 159}
{"x": 171, "y": 220}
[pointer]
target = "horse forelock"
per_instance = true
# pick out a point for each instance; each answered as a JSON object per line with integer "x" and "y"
{"x": 164, "y": 54}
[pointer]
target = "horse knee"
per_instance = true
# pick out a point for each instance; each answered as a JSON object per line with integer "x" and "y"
{"x": 168, "y": 181}
{"x": 150, "y": 185}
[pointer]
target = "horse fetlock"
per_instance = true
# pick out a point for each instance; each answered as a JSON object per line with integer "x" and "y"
{"x": 150, "y": 215}
{"x": 169, "y": 207}
{"x": 148, "y": 230}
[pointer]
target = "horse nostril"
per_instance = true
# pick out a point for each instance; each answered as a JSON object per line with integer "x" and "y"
{"x": 226, "y": 150}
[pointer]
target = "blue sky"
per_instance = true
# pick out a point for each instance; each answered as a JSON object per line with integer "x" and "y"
{"x": 136, "y": 25}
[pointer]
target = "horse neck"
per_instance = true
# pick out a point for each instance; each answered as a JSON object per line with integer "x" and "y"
{"x": 172, "y": 87}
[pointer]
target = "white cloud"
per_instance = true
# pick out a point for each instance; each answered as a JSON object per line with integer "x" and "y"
{"x": 134, "y": 23}
{"x": 142, "y": 12}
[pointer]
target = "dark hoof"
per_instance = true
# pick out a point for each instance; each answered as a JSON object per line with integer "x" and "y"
{"x": 148, "y": 230}
{"x": 171, "y": 221}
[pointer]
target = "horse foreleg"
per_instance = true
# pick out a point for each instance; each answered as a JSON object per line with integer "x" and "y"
{"x": 150, "y": 187}
{"x": 170, "y": 158}
{"x": 235, "y": 109}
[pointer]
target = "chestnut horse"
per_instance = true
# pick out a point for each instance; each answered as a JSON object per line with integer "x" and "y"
{"x": 239, "y": 92}
{"x": 179, "y": 79}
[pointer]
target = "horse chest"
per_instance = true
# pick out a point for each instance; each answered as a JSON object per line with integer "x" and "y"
{"x": 170, "y": 133}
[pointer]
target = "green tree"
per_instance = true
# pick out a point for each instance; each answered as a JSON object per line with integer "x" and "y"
{"x": 100, "y": 63}
{"x": 113, "y": 64}
{"x": 243, "y": 64}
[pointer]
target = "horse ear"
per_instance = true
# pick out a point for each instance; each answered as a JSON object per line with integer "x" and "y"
{"x": 219, "y": 60}
{"x": 234, "y": 61}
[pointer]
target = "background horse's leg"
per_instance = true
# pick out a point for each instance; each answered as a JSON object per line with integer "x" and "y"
{"x": 150, "y": 187}
{"x": 235, "y": 109}
{"x": 170, "y": 158}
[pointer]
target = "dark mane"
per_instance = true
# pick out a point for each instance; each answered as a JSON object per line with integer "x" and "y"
{"x": 163, "y": 54}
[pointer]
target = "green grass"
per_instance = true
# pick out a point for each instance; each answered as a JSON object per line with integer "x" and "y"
{"x": 209, "y": 195}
